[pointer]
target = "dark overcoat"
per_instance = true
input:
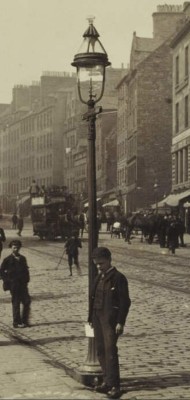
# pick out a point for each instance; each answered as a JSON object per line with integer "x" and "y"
{"x": 116, "y": 302}
{"x": 15, "y": 273}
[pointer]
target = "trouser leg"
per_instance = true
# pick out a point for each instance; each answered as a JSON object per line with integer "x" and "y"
{"x": 76, "y": 262}
{"x": 99, "y": 339}
{"x": 181, "y": 239}
{"x": 107, "y": 350}
{"x": 111, "y": 356}
{"x": 173, "y": 248}
{"x": 26, "y": 301}
{"x": 70, "y": 262}
{"x": 16, "y": 307}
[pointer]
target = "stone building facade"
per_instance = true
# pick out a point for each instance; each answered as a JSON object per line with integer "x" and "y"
{"x": 122, "y": 141}
{"x": 147, "y": 93}
{"x": 32, "y": 141}
{"x": 181, "y": 117}
{"x": 76, "y": 136}
{"x": 74, "y": 142}
{"x": 25, "y": 96}
{"x": 106, "y": 152}
{"x": 45, "y": 136}
{"x": 181, "y": 131}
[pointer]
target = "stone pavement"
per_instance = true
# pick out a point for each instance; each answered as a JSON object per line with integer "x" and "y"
{"x": 28, "y": 374}
{"x": 154, "y": 351}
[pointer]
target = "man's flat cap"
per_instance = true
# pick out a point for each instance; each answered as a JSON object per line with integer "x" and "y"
{"x": 101, "y": 252}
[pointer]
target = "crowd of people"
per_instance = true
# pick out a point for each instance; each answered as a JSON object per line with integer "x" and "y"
{"x": 171, "y": 233}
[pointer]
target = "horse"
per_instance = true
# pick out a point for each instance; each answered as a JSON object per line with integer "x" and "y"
{"x": 148, "y": 224}
{"x": 132, "y": 223}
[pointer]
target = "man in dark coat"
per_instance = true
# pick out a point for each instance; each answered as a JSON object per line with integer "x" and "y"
{"x": 15, "y": 274}
{"x": 172, "y": 234}
{"x": 109, "y": 306}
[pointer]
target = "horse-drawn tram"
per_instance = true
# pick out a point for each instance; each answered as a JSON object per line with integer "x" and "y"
{"x": 54, "y": 216}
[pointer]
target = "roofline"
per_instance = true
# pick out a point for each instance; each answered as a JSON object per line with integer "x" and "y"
{"x": 181, "y": 33}
{"x": 127, "y": 77}
{"x": 135, "y": 71}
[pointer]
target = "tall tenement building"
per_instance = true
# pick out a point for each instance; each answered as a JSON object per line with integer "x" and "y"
{"x": 76, "y": 137}
{"x": 181, "y": 120}
{"x": 32, "y": 138}
{"x": 44, "y": 137}
{"x": 145, "y": 114}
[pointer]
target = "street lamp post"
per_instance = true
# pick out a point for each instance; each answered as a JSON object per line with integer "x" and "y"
{"x": 91, "y": 63}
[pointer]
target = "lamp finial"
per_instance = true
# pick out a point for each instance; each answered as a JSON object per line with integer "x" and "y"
{"x": 90, "y": 19}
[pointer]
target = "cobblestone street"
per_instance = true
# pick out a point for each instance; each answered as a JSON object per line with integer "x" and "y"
{"x": 154, "y": 349}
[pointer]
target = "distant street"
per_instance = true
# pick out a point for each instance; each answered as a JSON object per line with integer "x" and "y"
{"x": 154, "y": 350}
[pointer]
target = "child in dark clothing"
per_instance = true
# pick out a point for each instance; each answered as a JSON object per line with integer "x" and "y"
{"x": 14, "y": 272}
{"x": 71, "y": 246}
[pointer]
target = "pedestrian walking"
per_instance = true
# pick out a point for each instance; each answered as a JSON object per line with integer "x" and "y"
{"x": 181, "y": 231}
{"x": 20, "y": 225}
{"x": 71, "y": 247}
{"x": 109, "y": 220}
{"x": 109, "y": 307}
{"x": 14, "y": 272}
{"x": 172, "y": 235}
{"x": 162, "y": 226}
{"x": 81, "y": 223}
{"x": 2, "y": 239}
{"x": 14, "y": 221}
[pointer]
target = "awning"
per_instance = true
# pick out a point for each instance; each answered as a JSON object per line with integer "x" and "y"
{"x": 172, "y": 200}
{"x": 164, "y": 202}
{"x": 86, "y": 204}
{"x": 112, "y": 203}
{"x": 161, "y": 204}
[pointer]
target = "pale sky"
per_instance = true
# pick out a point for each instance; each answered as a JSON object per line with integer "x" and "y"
{"x": 44, "y": 35}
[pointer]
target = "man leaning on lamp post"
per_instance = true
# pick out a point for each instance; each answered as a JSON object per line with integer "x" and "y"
{"x": 109, "y": 306}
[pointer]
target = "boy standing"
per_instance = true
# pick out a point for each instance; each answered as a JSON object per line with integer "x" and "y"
{"x": 109, "y": 307}
{"x": 15, "y": 274}
{"x": 71, "y": 246}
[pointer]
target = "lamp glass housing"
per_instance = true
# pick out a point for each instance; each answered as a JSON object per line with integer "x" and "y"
{"x": 90, "y": 82}
{"x": 91, "y": 61}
